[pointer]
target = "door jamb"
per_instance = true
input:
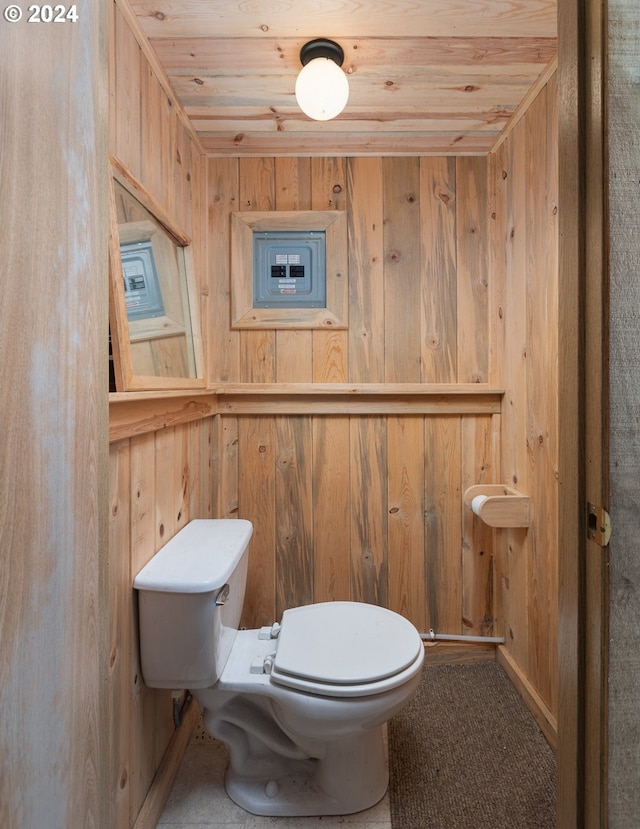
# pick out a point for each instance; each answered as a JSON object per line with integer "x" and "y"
{"x": 582, "y": 459}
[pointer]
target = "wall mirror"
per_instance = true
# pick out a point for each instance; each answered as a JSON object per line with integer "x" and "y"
{"x": 153, "y": 316}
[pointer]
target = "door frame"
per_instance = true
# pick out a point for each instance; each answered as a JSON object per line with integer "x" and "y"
{"x": 583, "y": 390}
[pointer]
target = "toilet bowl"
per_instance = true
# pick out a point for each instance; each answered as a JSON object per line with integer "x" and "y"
{"x": 301, "y": 704}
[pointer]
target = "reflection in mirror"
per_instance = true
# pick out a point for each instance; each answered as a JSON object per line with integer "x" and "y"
{"x": 155, "y": 330}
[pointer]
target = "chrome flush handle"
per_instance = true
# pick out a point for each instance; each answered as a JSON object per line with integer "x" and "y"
{"x": 223, "y": 595}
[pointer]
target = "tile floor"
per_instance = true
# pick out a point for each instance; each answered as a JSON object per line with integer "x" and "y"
{"x": 198, "y": 799}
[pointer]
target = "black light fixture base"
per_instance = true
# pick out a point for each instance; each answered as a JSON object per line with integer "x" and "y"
{"x": 321, "y": 48}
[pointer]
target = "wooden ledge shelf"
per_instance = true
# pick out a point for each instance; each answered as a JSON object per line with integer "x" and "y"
{"x": 499, "y": 505}
{"x": 358, "y": 398}
{"x": 415, "y": 389}
{"x": 117, "y": 398}
{"x": 135, "y": 413}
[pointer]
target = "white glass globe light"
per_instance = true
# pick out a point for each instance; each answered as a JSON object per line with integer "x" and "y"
{"x": 322, "y": 89}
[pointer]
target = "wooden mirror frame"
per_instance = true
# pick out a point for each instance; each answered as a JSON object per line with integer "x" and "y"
{"x": 121, "y": 336}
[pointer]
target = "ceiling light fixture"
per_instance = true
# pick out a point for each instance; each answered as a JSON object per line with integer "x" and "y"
{"x": 322, "y": 89}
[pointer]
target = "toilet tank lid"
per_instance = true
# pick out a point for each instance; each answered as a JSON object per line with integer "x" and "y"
{"x": 198, "y": 559}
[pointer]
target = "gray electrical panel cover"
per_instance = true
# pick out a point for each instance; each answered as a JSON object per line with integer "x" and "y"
{"x": 289, "y": 269}
{"x": 142, "y": 293}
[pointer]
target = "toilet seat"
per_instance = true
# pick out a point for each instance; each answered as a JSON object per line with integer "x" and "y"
{"x": 345, "y": 649}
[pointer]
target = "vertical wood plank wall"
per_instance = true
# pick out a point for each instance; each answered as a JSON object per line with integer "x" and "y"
{"x": 158, "y": 481}
{"x": 524, "y": 266}
{"x": 366, "y": 507}
{"x": 452, "y": 279}
{"x": 53, "y": 452}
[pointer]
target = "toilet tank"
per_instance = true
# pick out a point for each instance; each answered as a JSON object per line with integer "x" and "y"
{"x": 190, "y": 598}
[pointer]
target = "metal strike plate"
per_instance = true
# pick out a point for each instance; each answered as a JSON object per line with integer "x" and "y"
{"x": 598, "y": 525}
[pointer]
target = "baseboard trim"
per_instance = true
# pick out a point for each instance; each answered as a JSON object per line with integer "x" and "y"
{"x": 457, "y": 653}
{"x": 158, "y": 793}
{"x": 542, "y": 715}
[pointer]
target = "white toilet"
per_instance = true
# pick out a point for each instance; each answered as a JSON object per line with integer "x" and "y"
{"x": 301, "y": 704}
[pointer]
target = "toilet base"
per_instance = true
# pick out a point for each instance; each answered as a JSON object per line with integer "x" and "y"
{"x": 351, "y": 777}
{"x": 294, "y": 754}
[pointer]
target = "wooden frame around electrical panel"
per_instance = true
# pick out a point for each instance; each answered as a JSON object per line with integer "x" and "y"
{"x": 243, "y": 226}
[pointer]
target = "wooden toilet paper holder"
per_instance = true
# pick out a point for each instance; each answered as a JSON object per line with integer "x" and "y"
{"x": 501, "y": 506}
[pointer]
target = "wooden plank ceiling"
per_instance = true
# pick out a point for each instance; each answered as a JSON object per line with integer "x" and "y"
{"x": 425, "y": 76}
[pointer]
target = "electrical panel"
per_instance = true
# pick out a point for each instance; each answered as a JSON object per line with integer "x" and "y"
{"x": 142, "y": 294}
{"x": 289, "y": 269}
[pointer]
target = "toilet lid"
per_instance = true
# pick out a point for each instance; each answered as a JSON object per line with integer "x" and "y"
{"x": 343, "y": 643}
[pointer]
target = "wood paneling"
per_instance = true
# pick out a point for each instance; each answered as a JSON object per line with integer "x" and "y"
{"x": 510, "y": 172}
{"x": 55, "y": 586}
{"x": 223, "y": 343}
{"x": 163, "y": 477}
{"x": 472, "y": 269}
{"x": 418, "y": 271}
{"x": 331, "y": 509}
{"x": 330, "y": 348}
{"x": 294, "y": 507}
{"x": 367, "y": 508}
{"x": 406, "y": 526}
{"x": 439, "y": 295}
{"x": 402, "y": 269}
{"x": 341, "y": 18}
{"x": 424, "y": 78}
{"x": 443, "y": 515}
{"x": 256, "y": 497}
{"x": 126, "y": 101}
{"x": 480, "y": 444}
{"x": 368, "y": 520}
{"x": 524, "y": 196}
{"x": 121, "y": 632}
{"x": 365, "y": 188}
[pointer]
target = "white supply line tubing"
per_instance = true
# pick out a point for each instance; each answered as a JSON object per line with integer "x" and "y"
{"x": 452, "y": 637}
